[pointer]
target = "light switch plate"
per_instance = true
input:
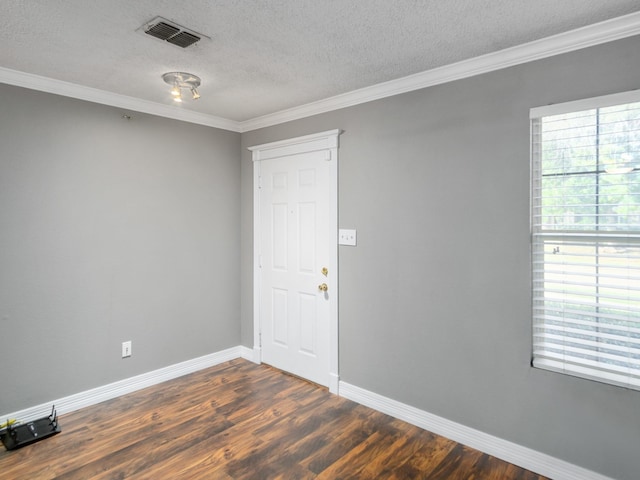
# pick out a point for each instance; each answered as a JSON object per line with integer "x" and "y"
{"x": 126, "y": 349}
{"x": 347, "y": 237}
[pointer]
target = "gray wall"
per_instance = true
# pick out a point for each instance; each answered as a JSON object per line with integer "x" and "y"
{"x": 114, "y": 230}
{"x": 434, "y": 300}
{"x": 110, "y": 230}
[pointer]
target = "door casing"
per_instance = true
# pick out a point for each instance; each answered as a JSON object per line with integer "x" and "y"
{"x": 323, "y": 141}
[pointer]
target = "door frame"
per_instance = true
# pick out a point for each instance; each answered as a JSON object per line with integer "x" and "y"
{"x": 323, "y": 141}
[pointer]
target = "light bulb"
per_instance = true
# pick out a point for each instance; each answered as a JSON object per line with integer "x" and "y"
{"x": 175, "y": 91}
{"x": 194, "y": 93}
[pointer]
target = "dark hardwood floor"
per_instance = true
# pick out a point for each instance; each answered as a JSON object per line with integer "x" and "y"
{"x": 239, "y": 420}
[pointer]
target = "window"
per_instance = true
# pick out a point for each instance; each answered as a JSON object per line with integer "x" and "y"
{"x": 585, "y": 225}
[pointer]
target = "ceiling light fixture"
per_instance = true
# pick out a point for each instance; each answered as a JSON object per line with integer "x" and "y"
{"x": 180, "y": 80}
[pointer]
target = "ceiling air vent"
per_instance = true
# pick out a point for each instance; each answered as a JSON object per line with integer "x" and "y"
{"x": 171, "y": 32}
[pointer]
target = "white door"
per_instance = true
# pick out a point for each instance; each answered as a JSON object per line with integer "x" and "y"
{"x": 297, "y": 259}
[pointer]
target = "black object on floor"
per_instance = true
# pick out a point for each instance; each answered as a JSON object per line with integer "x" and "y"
{"x": 24, "y": 434}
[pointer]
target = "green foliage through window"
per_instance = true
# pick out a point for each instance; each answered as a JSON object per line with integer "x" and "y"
{"x": 586, "y": 242}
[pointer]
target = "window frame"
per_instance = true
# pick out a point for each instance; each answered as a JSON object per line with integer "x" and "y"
{"x": 591, "y": 237}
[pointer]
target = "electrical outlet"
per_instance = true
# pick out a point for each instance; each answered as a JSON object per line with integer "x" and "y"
{"x": 126, "y": 349}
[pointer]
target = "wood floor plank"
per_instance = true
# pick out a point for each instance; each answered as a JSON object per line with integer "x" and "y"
{"x": 408, "y": 445}
{"x": 460, "y": 463}
{"x": 369, "y": 458}
{"x": 428, "y": 457}
{"x": 241, "y": 421}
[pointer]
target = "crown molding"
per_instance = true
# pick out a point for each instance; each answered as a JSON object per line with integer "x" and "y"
{"x": 59, "y": 87}
{"x": 591, "y": 35}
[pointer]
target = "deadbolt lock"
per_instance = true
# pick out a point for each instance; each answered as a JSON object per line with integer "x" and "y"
{"x": 325, "y": 271}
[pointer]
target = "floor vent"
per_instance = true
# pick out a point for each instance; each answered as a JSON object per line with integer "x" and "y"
{"x": 171, "y": 32}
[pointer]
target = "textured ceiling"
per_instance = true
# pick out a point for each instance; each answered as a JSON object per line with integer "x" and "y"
{"x": 265, "y": 56}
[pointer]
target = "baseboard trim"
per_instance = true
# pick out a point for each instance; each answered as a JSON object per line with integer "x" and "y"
{"x": 256, "y": 355}
{"x": 128, "y": 385}
{"x": 247, "y": 353}
{"x": 524, "y": 457}
{"x": 334, "y": 383}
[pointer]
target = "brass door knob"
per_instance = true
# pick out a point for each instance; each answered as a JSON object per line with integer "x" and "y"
{"x": 323, "y": 287}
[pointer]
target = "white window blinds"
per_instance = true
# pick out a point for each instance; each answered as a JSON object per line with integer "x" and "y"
{"x": 585, "y": 224}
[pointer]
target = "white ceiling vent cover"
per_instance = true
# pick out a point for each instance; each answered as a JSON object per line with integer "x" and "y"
{"x": 171, "y": 32}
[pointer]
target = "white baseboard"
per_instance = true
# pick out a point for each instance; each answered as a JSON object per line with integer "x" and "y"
{"x": 248, "y": 354}
{"x": 128, "y": 385}
{"x": 334, "y": 383}
{"x": 524, "y": 457}
{"x": 256, "y": 355}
